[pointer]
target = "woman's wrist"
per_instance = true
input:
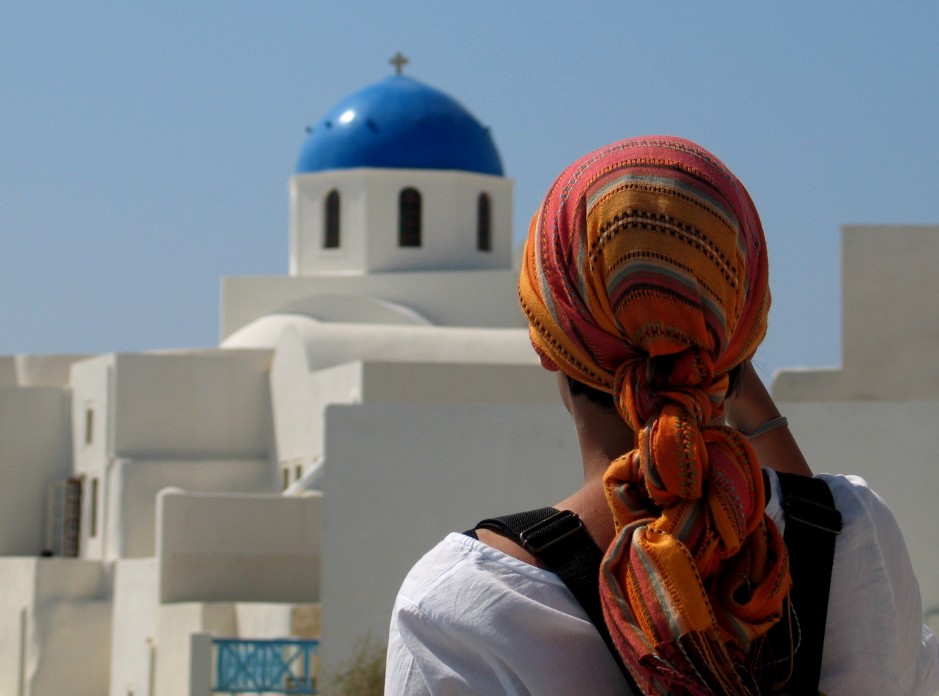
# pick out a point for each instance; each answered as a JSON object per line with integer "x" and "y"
{"x": 771, "y": 424}
{"x": 749, "y": 406}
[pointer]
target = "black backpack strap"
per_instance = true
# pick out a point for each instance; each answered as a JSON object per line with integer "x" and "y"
{"x": 812, "y": 523}
{"x": 561, "y": 542}
{"x": 559, "y": 539}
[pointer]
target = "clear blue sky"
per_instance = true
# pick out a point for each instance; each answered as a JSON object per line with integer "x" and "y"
{"x": 145, "y": 147}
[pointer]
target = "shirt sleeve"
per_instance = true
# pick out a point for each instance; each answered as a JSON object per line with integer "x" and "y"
{"x": 469, "y": 619}
{"x": 917, "y": 650}
{"x": 875, "y": 640}
{"x": 402, "y": 671}
{"x": 425, "y": 659}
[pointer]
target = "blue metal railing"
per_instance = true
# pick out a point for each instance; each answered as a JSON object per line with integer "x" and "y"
{"x": 259, "y": 666}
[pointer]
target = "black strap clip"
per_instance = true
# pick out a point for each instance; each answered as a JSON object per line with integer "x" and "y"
{"x": 812, "y": 513}
{"x": 550, "y": 531}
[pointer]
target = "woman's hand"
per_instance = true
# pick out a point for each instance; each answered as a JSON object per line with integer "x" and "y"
{"x": 748, "y": 406}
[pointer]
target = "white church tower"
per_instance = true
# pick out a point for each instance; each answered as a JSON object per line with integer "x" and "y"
{"x": 400, "y": 213}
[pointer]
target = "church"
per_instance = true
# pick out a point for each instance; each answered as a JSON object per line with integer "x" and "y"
{"x": 159, "y": 508}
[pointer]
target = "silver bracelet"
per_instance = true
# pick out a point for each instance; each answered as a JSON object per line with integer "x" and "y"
{"x": 771, "y": 424}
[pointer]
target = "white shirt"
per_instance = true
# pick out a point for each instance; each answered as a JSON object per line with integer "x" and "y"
{"x": 470, "y": 619}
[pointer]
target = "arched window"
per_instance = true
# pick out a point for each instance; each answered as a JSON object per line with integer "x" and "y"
{"x": 409, "y": 218}
{"x": 483, "y": 223}
{"x": 331, "y": 221}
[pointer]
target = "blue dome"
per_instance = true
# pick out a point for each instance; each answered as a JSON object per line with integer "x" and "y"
{"x": 399, "y": 123}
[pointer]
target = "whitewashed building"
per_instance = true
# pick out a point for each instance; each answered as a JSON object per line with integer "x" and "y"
{"x": 153, "y": 501}
{"x": 381, "y": 394}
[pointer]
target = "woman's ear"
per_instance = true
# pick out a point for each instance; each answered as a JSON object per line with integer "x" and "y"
{"x": 564, "y": 387}
{"x": 734, "y": 379}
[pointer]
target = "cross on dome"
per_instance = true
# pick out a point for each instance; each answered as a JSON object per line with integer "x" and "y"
{"x": 399, "y": 61}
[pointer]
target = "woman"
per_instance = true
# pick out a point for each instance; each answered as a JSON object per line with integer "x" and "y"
{"x": 645, "y": 286}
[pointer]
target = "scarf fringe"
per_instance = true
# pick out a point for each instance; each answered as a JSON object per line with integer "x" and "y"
{"x": 697, "y": 664}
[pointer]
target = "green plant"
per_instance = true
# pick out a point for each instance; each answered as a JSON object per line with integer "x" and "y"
{"x": 361, "y": 675}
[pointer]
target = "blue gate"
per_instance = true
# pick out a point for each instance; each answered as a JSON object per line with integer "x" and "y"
{"x": 259, "y": 666}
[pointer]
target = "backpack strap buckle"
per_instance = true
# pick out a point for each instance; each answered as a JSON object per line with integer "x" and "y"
{"x": 812, "y": 513}
{"x": 544, "y": 534}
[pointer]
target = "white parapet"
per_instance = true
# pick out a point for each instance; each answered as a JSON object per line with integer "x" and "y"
{"x": 238, "y": 548}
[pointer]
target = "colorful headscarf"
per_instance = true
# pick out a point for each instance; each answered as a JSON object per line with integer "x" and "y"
{"x": 645, "y": 276}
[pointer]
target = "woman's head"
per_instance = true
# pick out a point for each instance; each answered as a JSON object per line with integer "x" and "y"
{"x": 644, "y": 249}
{"x": 645, "y": 276}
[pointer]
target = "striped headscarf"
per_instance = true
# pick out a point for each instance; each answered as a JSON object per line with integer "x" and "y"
{"x": 645, "y": 276}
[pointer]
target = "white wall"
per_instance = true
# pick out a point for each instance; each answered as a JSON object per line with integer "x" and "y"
{"x": 18, "y": 580}
{"x": 266, "y": 621}
{"x": 890, "y": 317}
{"x": 8, "y": 371}
{"x": 70, "y": 631}
{"x": 54, "y": 626}
{"x": 299, "y": 399}
{"x": 453, "y": 383}
{"x": 400, "y": 476}
{"x": 35, "y": 449}
{"x": 134, "y": 627}
{"x": 176, "y": 623}
{"x": 74, "y": 657}
{"x": 216, "y": 547}
{"x": 195, "y": 405}
{"x": 200, "y": 404}
{"x": 307, "y": 210}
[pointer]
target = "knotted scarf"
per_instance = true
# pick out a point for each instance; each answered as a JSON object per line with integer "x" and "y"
{"x": 645, "y": 276}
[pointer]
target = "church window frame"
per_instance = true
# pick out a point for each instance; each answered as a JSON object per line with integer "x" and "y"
{"x": 410, "y": 203}
{"x": 332, "y": 220}
{"x": 89, "y": 424}
{"x": 93, "y": 509}
{"x": 484, "y": 222}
